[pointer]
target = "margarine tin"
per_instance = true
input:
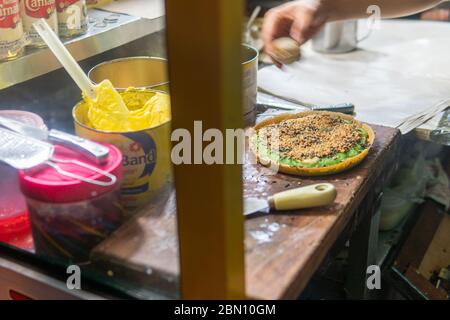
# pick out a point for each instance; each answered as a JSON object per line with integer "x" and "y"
{"x": 146, "y": 156}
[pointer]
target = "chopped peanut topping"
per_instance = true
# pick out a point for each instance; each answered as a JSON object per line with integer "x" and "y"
{"x": 311, "y": 136}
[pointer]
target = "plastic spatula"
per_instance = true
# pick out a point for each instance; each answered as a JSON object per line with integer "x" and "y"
{"x": 68, "y": 62}
{"x": 65, "y": 58}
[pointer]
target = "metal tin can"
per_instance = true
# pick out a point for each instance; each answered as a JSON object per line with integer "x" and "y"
{"x": 151, "y": 73}
{"x": 33, "y": 10}
{"x": 146, "y": 158}
{"x": 138, "y": 72}
{"x": 71, "y": 17}
{"x": 249, "y": 82}
{"x": 11, "y": 30}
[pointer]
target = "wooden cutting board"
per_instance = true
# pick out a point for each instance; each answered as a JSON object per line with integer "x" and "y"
{"x": 282, "y": 251}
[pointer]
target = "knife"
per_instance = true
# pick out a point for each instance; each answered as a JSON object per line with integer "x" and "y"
{"x": 315, "y": 195}
{"x": 346, "y": 107}
{"x": 93, "y": 150}
{"x": 268, "y": 99}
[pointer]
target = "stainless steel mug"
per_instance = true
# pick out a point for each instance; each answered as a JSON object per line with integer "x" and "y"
{"x": 336, "y": 37}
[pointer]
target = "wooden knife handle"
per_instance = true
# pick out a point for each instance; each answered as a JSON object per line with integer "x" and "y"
{"x": 315, "y": 195}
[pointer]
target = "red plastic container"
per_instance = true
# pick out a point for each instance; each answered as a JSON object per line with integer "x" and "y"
{"x": 14, "y": 221}
{"x": 69, "y": 216}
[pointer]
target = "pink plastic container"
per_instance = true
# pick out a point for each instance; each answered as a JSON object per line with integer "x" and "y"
{"x": 70, "y": 216}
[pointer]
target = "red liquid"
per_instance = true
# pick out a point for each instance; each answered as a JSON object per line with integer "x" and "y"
{"x": 15, "y": 226}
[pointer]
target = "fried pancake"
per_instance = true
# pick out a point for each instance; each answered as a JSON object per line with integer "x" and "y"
{"x": 312, "y": 143}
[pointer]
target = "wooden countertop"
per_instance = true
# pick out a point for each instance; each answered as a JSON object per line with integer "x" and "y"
{"x": 282, "y": 251}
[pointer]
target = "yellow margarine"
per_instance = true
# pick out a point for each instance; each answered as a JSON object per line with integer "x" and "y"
{"x": 137, "y": 121}
{"x": 131, "y": 110}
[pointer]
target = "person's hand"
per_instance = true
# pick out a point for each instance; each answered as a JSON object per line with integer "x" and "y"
{"x": 436, "y": 15}
{"x": 299, "y": 20}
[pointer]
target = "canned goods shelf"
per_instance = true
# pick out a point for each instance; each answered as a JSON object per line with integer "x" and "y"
{"x": 106, "y": 31}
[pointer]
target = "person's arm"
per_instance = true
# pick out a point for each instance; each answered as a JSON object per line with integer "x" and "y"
{"x": 301, "y": 19}
{"x": 356, "y": 9}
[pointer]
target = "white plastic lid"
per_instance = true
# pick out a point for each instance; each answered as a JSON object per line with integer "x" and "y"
{"x": 29, "y": 118}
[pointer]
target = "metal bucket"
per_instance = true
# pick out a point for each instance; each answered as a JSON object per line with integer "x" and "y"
{"x": 146, "y": 158}
{"x": 138, "y": 72}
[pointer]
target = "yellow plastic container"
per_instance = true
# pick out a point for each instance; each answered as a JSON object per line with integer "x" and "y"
{"x": 146, "y": 157}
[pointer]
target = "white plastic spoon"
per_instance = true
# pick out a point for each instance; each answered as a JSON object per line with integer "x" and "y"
{"x": 70, "y": 64}
{"x": 65, "y": 58}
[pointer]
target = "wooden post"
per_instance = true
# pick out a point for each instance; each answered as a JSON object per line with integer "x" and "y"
{"x": 204, "y": 52}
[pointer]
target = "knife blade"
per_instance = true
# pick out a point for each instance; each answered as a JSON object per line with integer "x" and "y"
{"x": 93, "y": 150}
{"x": 255, "y": 205}
{"x": 316, "y": 195}
{"x": 270, "y": 100}
{"x": 346, "y": 107}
